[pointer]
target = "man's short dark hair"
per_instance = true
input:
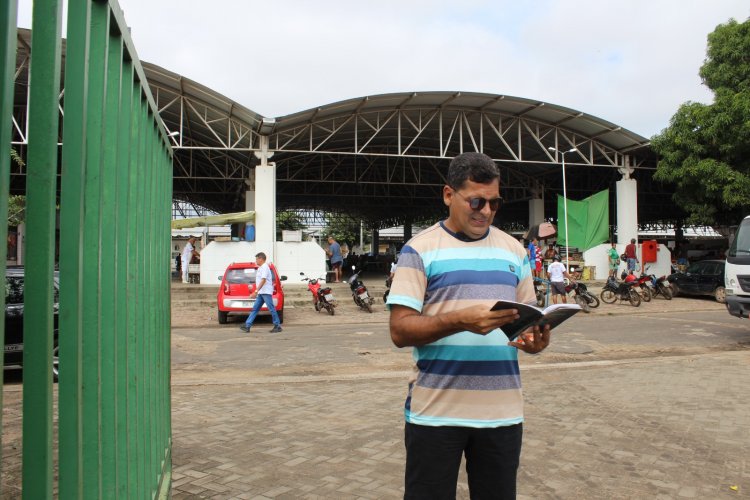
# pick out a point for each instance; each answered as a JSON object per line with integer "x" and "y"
{"x": 475, "y": 167}
{"x": 261, "y": 255}
{"x": 632, "y": 240}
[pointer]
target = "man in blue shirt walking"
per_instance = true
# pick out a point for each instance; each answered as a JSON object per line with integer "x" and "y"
{"x": 264, "y": 294}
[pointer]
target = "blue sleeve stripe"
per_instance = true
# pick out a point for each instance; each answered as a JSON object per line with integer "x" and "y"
{"x": 405, "y": 300}
{"x": 466, "y": 353}
{"x": 484, "y": 368}
{"x": 469, "y": 382}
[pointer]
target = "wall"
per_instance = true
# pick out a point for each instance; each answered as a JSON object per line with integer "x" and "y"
{"x": 291, "y": 259}
{"x": 597, "y": 256}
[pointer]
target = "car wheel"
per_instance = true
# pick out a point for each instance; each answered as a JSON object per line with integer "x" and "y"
{"x": 223, "y": 317}
{"x": 720, "y": 294}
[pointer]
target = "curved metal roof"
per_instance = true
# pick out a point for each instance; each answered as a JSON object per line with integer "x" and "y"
{"x": 383, "y": 158}
{"x": 614, "y": 136}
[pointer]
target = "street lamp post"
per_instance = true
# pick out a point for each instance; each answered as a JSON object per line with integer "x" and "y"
{"x": 565, "y": 203}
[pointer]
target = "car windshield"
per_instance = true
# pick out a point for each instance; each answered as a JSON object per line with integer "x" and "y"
{"x": 241, "y": 276}
{"x": 695, "y": 268}
{"x": 741, "y": 243}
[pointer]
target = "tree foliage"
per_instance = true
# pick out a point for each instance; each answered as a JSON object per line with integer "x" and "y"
{"x": 345, "y": 230}
{"x": 705, "y": 150}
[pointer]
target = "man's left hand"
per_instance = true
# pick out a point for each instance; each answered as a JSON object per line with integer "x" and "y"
{"x": 532, "y": 341}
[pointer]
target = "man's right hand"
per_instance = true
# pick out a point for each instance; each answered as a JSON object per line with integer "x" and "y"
{"x": 410, "y": 328}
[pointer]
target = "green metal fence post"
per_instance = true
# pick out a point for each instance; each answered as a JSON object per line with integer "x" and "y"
{"x": 41, "y": 191}
{"x": 72, "y": 190}
{"x": 8, "y": 15}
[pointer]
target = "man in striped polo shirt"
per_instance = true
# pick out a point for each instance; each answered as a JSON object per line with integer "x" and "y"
{"x": 465, "y": 393}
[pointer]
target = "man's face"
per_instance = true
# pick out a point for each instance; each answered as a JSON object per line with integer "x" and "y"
{"x": 462, "y": 218}
{"x": 259, "y": 261}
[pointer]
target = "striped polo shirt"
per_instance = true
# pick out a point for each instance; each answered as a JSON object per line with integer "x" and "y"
{"x": 464, "y": 379}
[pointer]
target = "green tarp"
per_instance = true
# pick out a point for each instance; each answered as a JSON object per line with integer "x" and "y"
{"x": 588, "y": 221}
{"x": 213, "y": 220}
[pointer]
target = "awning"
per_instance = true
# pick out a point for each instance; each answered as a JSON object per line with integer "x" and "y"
{"x": 214, "y": 220}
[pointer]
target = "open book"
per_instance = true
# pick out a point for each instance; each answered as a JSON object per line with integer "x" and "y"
{"x": 531, "y": 316}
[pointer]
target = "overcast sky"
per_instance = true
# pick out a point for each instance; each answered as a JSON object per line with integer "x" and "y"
{"x": 631, "y": 62}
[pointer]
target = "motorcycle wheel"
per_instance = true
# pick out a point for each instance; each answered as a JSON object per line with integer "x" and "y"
{"x": 367, "y": 307}
{"x": 634, "y": 298}
{"x": 646, "y": 294}
{"x": 608, "y": 296}
{"x": 666, "y": 292}
{"x": 329, "y": 308}
{"x": 317, "y": 306}
{"x": 583, "y": 303}
{"x": 592, "y": 300}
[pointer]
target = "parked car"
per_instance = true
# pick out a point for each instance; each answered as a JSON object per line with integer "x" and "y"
{"x": 701, "y": 278}
{"x": 14, "y": 313}
{"x": 238, "y": 284}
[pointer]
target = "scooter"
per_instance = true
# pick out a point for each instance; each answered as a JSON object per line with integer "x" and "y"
{"x": 322, "y": 297}
{"x": 582, "y": 296}
{"x": 359, "y": 292}
{"x": 614, "y": 290}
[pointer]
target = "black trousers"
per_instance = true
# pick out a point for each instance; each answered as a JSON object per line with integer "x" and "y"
{"x": 433, "y": 458}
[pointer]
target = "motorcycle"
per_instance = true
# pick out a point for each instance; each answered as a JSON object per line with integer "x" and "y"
{"x": 582, "y": 296}
{"x": 359, "y": 292}
{"x": 541, "y": 288}
{"x": 642, "y": 284}
{"x": 660, "y": 286}
{"x": 614, "y": 290}
{"x": 322, "y": 296}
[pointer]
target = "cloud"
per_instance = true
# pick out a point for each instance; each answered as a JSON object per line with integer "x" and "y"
{"x": 632, "y": 63}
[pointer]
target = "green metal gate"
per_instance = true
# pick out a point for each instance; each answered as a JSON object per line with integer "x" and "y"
{"x": 114, "y": 195}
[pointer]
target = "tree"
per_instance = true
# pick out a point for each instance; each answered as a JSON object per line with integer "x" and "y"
{"x": 705, "y": 151}
{"x": 345, "y": 230}
{"x": 16, "y": 203}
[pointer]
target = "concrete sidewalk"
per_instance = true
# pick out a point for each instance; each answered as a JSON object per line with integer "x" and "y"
{"x": 648, "y": 428}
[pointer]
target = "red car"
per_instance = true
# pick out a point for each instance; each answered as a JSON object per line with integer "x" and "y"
{"x": 238, "y": 284}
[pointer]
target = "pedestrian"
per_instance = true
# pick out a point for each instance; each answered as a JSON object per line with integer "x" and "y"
{"x": 630, "y": 255}
{"x": 263, "y": 294}
{"x": 614, "y": 260}
{"x": 465, "y": 395}
{"x": 334, "y": 252}
{"x": 556, "y": 274}
{"x": 187, "y": 255}
{"x": 532, "y": 251}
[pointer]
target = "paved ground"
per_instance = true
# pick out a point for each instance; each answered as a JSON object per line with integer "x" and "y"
{"x": 653, "y": 428}
{"x": 616, "y": 408}
{"x": 316, "y": 411}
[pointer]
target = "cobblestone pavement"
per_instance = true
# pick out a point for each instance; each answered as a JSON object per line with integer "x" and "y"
{"x": 649, "y": 428}
{"x": 316, "y": 413}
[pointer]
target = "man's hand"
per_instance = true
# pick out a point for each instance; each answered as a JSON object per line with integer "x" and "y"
{"x": 532, "y": 341}
{"x": 479, "y": 319}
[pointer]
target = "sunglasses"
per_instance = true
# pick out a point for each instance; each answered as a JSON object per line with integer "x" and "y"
{"x": 477, "y": 204}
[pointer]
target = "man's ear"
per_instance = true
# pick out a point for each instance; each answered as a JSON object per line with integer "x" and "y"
{"x": 447, "y": 195}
